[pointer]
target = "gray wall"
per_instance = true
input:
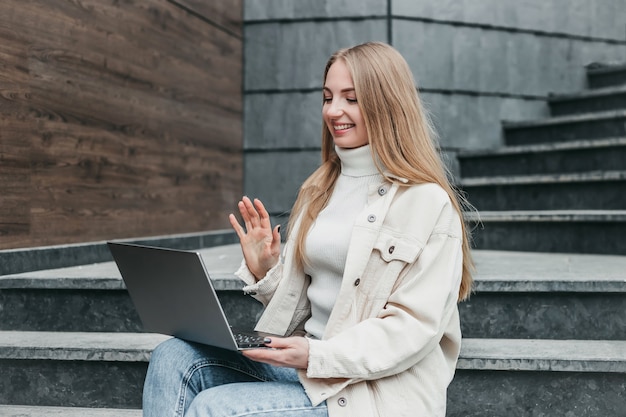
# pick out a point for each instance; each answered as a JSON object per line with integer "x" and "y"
{"x": 477, "y": 62}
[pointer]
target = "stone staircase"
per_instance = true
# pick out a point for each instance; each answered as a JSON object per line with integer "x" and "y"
{"x": 555, "y": 196}
{"x": 544, "y": 332}
{"x": 559, "y": 184}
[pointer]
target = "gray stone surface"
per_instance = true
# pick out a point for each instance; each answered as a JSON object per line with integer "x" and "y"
{"x": 591, "y": 232}
{"x": 276, "y": 177}
{"x": 587, "y": 191}
{"x": 548, "y": 158}
{"x": 599, "y": 125}
{"x": 14, "y": 261}
{"x": 564, "y": 315}
{"x": 600, "y": 76}
{"x": 33, "y": 411}
{"x": 598, "y": 100}
{"x": 293, "y": 56}
{"x": 544, "y": 355}
{"x": 468, "y": 58}
{"x": 220, "y": 261}
{"x": 72, "y": 383}
{"x": 495, "y": 270}
{"x": 587, "y": 18}
{"x": 302, "y": 9}
{"x": 79, "y": 346}
{"x": 473, "y": 122}
{"x": 544, "y": 272}
{"x": 269, "y": 120}
{"x": 537, "y": 394}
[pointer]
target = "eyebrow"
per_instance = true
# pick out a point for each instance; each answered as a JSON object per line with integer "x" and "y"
{"x": 345, "y": 90}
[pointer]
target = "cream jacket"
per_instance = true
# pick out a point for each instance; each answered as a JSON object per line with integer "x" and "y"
{"x": 393, "y": 338}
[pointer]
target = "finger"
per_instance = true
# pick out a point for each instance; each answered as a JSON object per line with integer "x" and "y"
{"x": 264, "y": 216}
{"x": 244, "y": 215}
{"x": 253, "y": 215}
{"x": 262, "y": 355}
{"x": 276, "y": 240}
{"x": 236, "y": 226}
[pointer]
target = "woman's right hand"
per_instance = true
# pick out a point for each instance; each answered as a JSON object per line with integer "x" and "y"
{"x": 259, "y": 243}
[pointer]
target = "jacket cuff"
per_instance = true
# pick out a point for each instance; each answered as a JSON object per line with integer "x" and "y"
{"x": 265, "y": 286}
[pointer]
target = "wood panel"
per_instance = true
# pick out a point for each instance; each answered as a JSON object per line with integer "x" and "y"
{"x": 119, "y": 119}
{"x": 227, "y": 14}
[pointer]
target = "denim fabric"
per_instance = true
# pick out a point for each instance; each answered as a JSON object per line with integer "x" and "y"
{"x": 203, "y": 381}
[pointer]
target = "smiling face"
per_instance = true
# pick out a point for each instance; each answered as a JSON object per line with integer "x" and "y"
{"x": 340, "y": 111}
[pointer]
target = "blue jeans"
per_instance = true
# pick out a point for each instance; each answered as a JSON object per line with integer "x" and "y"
{"x": 197, "y": 380}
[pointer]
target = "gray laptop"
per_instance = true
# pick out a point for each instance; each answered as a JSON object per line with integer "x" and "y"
{"x": 173, "y": 295}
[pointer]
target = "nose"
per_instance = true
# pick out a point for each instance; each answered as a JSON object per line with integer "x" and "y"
{"x": 334, "y": 108}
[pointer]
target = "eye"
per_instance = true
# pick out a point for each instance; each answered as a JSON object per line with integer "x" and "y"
{"x": 351, "y": 100}
{"x": 326, "y": 100}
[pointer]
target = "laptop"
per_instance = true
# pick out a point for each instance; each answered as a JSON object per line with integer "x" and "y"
{"x": 173, "y": 294}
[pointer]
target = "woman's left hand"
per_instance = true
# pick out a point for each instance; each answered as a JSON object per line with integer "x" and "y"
{"x": 289, "y": 352}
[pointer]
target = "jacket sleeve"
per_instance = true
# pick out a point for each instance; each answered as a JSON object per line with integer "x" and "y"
{"x": 409, "y": 326}
{"x": 264, "y": 289}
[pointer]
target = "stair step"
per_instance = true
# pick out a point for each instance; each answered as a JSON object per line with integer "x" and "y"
{"x": 33, "y": 411}
{"x": 598, "y": 100}
{"x": 546, "y": 296}
{"x": 94, "y": 298}
{"x": 14, "y": 261}
{"x": 554, "y": 231}
{"x": 28, "y": 357}
{"x": 544, "y": 355}
{"x": 604, "y": 75}
{"x": 574, "y": 191}
{"x": 538, "y": 377}
{"x": 566, "y": 128}
{"x": 505, "y": 304}
{"x": 546, "y": 158}
{"x": 74, "y": 369}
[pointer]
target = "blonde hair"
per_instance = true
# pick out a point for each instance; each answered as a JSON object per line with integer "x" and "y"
{"x": 400, "y": 136}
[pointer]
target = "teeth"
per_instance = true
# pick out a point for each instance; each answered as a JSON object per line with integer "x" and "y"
{"x": 342, "y": 127}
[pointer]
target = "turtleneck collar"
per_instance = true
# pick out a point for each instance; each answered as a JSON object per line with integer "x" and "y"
{"x": 356, "y": 162}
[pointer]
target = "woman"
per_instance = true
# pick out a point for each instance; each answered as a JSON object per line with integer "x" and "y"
{"x": 366, "y": 292}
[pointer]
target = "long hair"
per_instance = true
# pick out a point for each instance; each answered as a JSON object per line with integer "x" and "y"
{"x": 400, "y": 136}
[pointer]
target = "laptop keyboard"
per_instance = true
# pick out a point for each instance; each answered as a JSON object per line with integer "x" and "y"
{"x": 245, "y": 340}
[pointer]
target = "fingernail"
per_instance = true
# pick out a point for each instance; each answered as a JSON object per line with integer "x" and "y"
{"x": 279, "y": 228}
{"x": 267, "y": 340}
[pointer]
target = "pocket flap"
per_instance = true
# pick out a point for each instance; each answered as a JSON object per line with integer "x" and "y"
{"x": 397, "y": 248}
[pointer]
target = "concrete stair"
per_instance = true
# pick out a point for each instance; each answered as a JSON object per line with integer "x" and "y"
{"x": 601, "y": 75}
{"x": 521, "y": 299}
{"x": 559, "y": 183}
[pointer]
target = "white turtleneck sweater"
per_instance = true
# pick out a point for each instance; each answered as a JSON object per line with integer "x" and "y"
{"x": 329, "y": 237}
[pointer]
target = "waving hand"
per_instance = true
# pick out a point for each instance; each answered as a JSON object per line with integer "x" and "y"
{"x": 259, "y": 242}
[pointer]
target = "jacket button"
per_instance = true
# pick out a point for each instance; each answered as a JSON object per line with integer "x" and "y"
{"x": 371, "y": 218}
{"x": 382, "y": 191}
{"x": 342, "y": 402}
{"x": 357, "y": 282}
{"x": 391, "y": 249}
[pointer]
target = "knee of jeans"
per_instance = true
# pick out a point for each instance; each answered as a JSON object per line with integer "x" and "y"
{"x": 168, "y": 349}
{"x": 173, "y": 354}
{"x": 214, "y": 401}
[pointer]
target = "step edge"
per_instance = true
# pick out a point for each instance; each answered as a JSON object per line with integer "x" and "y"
{"x": 547, "y": 215}
{"x": 78, "y": 346}
{"x": 557, "y": 178}
{"x": 567, "y": 119}
{"x": 543, "y": 355}
{"x": 586, "y": 94}
{"x": 7, "y": 410}
{"x": 574, "y": 145}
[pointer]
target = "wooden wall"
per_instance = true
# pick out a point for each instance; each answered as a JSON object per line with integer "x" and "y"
{"x": 118, "y": 118}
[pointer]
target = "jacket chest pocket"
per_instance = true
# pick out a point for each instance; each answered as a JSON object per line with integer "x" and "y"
{"x": 389, "y": 258}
